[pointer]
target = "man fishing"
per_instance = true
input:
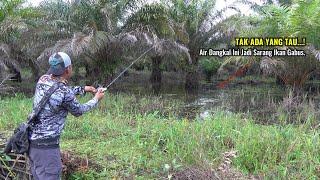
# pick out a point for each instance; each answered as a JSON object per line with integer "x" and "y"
{"x": 44, "y": 152}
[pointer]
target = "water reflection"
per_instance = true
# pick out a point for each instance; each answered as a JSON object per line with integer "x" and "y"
{"x": 256, "y": 99}
{"x": 259, "y": 100}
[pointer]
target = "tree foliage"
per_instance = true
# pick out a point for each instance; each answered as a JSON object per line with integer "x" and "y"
{"x": 205, "y": 26}
{"x": 289, "y": 19}
{"x": 102, "y": 35}
{"x": 15, "y": 22}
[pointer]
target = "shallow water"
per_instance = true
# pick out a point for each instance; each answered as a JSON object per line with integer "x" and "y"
{"x": 253, "y": 100}
{"x": 257, "y": 100}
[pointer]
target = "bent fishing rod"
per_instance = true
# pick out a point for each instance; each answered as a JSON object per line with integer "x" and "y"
{"x": 115, "y": 79}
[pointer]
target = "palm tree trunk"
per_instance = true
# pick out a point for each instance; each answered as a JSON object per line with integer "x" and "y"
{"x": 208, "y": 76}
{"x": 93, "y": 72}
{"x": 35, "y": 69}
{"x": 22, "y": 57}
{"x": 156, "y": 74}
{"x": 192, "y": 76}
{"x": 279, "y": 81}
{"x": 192, "y": 79}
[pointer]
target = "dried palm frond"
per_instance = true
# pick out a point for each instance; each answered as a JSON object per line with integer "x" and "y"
{"x": 62, "y": 45}
{"x": 96, "y": 47}
{"x": 5, "y": 88}
{"x": 271, "y": 65}
{"x": 174, "y": 49}
{"x": 4, "y": 80}
{"x": 80, "y": 43}
{"x": 128, "y": 38}
{"x": 162, "y": 47}
{"x": 102, "y": 40}
{"x": 315, "y": 52}
{"x": 225, "y": 166}
{"x": 5, "y": 50}
{"x": 158, "y": 30}
{"x": 7, "y": 61}
{"x": 293, "y": 70}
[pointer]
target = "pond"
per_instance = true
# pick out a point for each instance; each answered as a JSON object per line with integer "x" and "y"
{"x": 260, "y": 99}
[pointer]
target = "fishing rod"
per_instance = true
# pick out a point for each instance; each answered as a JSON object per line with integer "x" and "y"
{"x": 115, "y": 79}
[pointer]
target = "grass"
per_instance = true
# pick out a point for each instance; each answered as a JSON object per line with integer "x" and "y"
{"x": 143, "y": 139}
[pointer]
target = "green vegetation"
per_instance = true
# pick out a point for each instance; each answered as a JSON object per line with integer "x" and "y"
{"x": 210, "y": 66}
{"x": 148, "y": 141}
{"x": 285, "y": 20}
{"x": 145, "y": 137}
{"x": 106, "y": 35}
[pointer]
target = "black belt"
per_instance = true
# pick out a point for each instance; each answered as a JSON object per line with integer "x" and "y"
{"x": 45, "y": 143}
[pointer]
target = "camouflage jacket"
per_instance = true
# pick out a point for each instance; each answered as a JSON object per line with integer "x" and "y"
{"x": 51, "y": 119}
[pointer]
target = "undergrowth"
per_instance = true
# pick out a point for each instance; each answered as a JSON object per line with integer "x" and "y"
{"x": 142, "y": 138}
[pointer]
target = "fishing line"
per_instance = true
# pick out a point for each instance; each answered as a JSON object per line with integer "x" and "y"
{"x": 115, "y": 79}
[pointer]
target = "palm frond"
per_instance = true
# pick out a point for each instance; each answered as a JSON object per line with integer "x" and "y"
{"x": 152, "y": 18}
{"x": 7, "y": 58}
{"x": 271, "y": 66}
{"x": 80, "y": 43}
{"x": 306, "y": 14}
{"x": 5, "y": 50}
{"x": 3, "y": 86}
{"x": 10, "y": 26}
{"x": 174, "y": 49}
{"x": 62, "y": 45}
{"x": 314, "y": 52}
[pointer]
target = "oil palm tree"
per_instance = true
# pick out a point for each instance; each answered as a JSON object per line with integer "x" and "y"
{"x": 74, "y": 27}
{"x": 63, "y": 21}
{"x": 15, "y": 20}
{"x": 296, "y": 18}
{"x": 93, "y": 35}
{"x": 152, "y": 21}
{"x": 205, "y": 27}
{"x": 286, "y": 20}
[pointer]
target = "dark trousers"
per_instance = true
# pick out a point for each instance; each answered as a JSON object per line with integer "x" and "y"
{"x": 45, "y": 163}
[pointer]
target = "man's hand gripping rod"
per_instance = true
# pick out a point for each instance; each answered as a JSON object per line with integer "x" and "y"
{"x": 114, "y": 80}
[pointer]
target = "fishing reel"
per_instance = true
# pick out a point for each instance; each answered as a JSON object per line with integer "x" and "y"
{"x": 99, "y": 87}
{"x": 102, "y": 89}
